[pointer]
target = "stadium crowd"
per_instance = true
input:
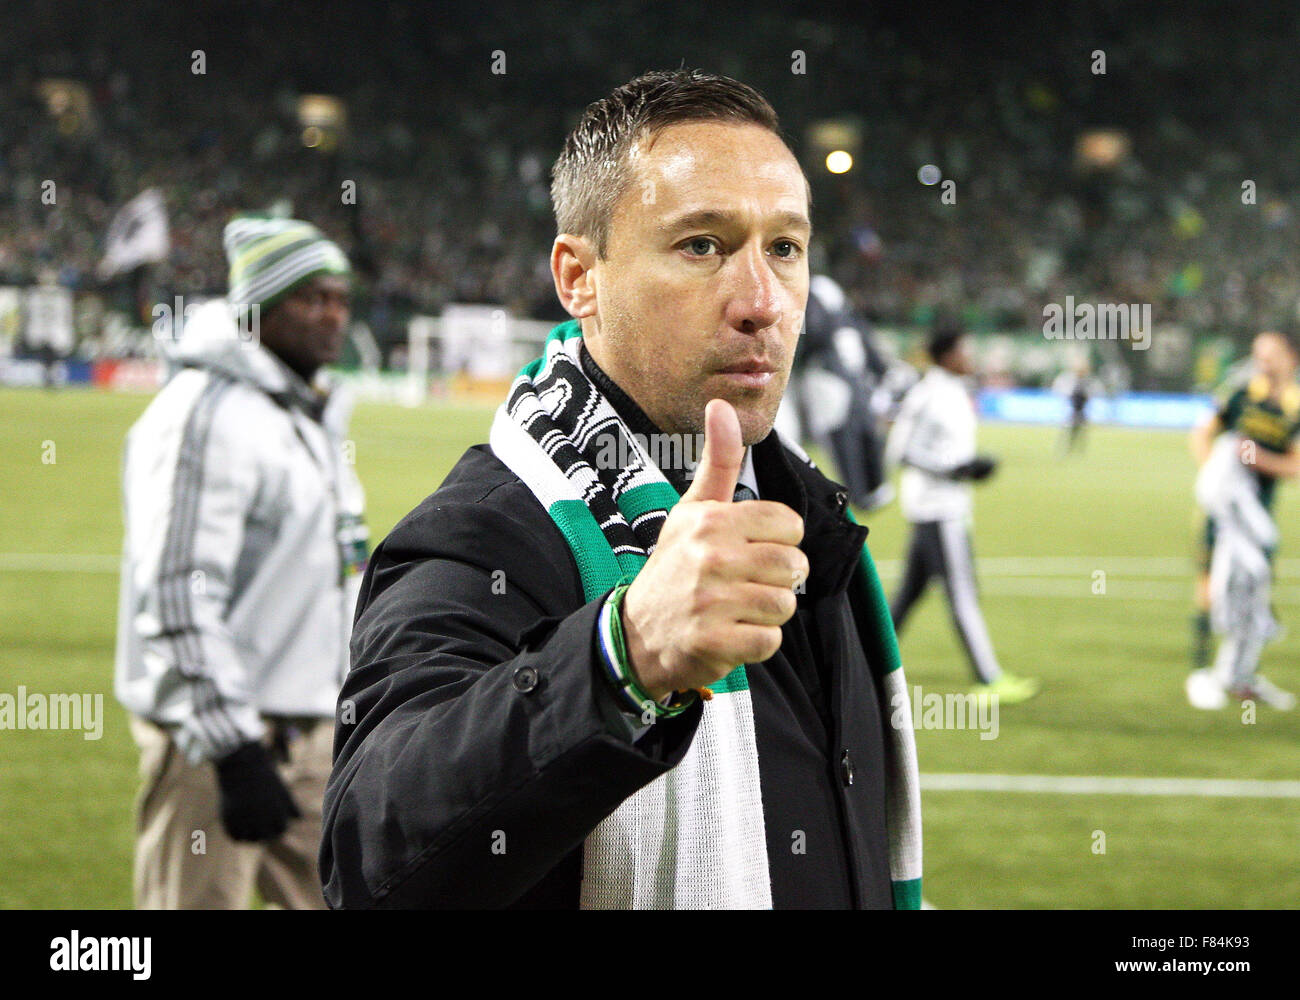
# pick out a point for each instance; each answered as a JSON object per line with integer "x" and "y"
{"x": 450, "y": 160}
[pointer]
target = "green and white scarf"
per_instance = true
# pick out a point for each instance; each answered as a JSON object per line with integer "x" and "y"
{"x": 694, "y": 837}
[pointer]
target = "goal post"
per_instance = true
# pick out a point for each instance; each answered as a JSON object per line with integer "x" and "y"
{"x": 477, "y": 348}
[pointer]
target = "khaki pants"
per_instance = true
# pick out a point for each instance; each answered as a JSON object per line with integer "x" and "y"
{"x": 184, "y": 860}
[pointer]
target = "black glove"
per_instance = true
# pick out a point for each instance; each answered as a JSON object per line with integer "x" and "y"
{"x": 978, "y": 468}
{"x": 255, "y": 805}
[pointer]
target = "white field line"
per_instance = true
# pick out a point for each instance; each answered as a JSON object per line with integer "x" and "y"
{"x": 1125, "y": 589}
{"x": 1143, "y": 567}
{"x": 1154, "y": 578}
{"x": 1129, "y": 566}
{"x": 1051, "y": 784}
{"x": 58, "y": 562}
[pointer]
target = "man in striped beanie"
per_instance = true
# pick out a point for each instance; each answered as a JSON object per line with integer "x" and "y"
{"x": 287, "y": 270}
{"x": 245, "y": 541}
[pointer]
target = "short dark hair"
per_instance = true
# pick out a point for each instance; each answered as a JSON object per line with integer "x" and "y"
{"x": 592, "y": 172}
{"x": 943, "y": 338}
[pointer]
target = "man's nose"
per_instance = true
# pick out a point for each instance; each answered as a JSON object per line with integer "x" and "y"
{"x": 754, "y": 300}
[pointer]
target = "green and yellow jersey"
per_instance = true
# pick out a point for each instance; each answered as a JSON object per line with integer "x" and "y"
{"x": 1273, "y": 424}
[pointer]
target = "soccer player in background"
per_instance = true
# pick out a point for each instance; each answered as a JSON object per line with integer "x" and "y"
{"x": 1077, "y": 386}
{"x": 1240, "y": 580}
{"x": 1264, "y": 411}
{"x": 933, "y": 440}
{"x": 48, "y": 329}
{"x": 241, "y": 565}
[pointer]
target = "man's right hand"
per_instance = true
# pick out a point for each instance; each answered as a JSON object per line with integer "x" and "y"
{"x": 255, "y": 805}
{"x": 721, "y": 581}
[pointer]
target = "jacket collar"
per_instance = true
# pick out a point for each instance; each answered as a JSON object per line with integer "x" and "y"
{"x": 832, "y": 543}
{"x": 213, "y": 339}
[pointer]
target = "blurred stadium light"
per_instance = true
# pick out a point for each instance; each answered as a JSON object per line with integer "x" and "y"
{"x": 69, "y": 103}
{"x": 1102, "y": 148}
{"x": 839, "y": 161}
{"x": 323, "y": 119}
{"x": 837, "y": 137}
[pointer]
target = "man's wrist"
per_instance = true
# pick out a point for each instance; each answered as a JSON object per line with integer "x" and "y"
{"x": 619, "y": 672}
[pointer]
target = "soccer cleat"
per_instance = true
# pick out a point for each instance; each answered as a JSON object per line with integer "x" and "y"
{"x": 1205, "y": 692}
{"x": 1009, "y": 689}
{"x": 1259, "y": 688}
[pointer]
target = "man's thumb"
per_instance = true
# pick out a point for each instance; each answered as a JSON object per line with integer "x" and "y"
{"x": 719, "y": 465}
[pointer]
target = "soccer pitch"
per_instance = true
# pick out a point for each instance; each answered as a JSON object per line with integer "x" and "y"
{"x": 1084, "y": 566}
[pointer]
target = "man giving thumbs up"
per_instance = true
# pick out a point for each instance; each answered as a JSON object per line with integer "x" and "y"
{"x": 520, "y": 726}
{"x": 721, "y": 582}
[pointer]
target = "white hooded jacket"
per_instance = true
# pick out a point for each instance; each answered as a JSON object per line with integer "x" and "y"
{"x": 244, "y": 545}
{"x": 934, "y": 433}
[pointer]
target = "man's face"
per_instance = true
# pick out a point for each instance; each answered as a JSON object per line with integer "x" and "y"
{"x": 703, "y": 288}
{"x": 1272, "y": 357}
{"x": 306, "y": 327}
{"x": 958, "y": 360}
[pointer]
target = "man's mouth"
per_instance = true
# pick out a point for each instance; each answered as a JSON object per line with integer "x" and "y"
{"x": 752, "y": 374}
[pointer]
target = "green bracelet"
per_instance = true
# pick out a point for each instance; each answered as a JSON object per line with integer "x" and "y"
{"x": 626, "y": 679}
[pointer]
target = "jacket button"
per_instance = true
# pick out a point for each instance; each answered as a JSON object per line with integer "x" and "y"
{"x": 846, "y": 768}
{"x": 841, "y": 500}
{"x": 525, "y": 680}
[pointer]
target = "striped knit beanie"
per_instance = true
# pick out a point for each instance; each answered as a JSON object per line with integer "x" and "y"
{"x": 270, "y": 257}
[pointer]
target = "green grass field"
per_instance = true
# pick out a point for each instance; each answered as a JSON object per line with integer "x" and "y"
{"x": 1111, "y": 665}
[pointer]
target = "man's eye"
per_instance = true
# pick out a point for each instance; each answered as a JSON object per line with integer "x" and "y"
{"x": 700, "y": 246}
{"x": 786, "y": 248}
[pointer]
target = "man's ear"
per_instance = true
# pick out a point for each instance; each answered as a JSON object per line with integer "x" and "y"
{"x": 572, "y": 261}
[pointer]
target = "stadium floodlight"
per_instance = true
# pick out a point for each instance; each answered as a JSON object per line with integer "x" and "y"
{"x": 323, "y": 118}
{"x": 839, "y": 161}
{"x": 836, "y": 142}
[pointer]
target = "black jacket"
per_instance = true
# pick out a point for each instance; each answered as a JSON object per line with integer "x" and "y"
{"x": 479, "y": 743}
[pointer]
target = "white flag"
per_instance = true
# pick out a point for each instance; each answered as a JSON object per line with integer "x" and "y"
{"x": 138, "y": 235}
